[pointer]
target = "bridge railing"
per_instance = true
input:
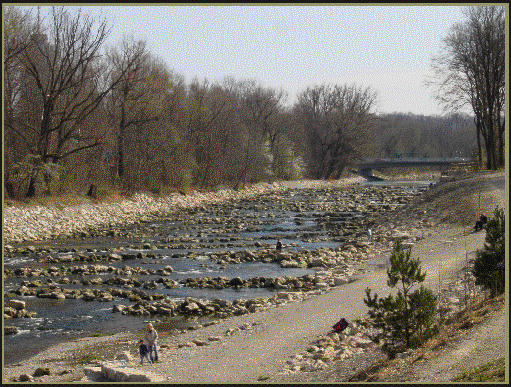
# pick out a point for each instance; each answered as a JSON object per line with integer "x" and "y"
{"x": 418, "y": 159}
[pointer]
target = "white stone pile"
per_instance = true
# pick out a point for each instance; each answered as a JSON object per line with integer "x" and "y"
{"x": 332, "y": 347}
{"x": 121, "y": 371}
{"x": 39, "y": 222}
{"x": 457, "y": 294}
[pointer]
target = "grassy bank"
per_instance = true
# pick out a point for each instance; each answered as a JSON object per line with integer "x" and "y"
{"x": 493, "y": 371}
{"x": 455, "y": 328}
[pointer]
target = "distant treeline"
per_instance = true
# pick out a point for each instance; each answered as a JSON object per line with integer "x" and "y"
{"x": 78, "y": 114}
{"x": 410, "y": 135}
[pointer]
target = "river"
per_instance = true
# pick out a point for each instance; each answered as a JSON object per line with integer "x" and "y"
{"x": 306, "y": 219}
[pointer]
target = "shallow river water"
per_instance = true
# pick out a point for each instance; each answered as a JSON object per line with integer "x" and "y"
{"x": 301, "y": 219}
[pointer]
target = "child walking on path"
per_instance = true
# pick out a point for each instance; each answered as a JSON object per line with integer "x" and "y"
{"x": 144, "y": 352}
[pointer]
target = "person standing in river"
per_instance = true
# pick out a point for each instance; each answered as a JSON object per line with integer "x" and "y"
{"x": 150, "y": 338}
{"x": 278, "y": 247}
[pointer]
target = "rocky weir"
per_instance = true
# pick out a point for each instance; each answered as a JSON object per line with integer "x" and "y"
{"x": 206, "y": 262}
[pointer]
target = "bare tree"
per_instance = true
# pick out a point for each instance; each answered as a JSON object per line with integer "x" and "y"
{"x": 131, "y": 104}
{"x": 336, "y": 120}
{"x": 69, "y": 79}
{"x": 470, "y": 71}
{"x": 260, "y": 110}
{"x": 18, "y": 27}
{"x": 63, "y": 66}
{"x": 424, "y": 136}
{"x": 208, "y": 130}
{"x": 259, "y": 130}
{"x": 66, "y": 78}
{"x": 263, "y": 105}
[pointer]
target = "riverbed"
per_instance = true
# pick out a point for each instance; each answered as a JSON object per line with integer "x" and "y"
{"x": 188, "y": 241}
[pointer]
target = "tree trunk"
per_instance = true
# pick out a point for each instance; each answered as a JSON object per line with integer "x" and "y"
{"x": 488, "y": 157}
{"x": 479, "y": 151}
{"x": 120, "y": 144}
{"x": 489, "y": 140}
{"x": 45, "y": 130}
{"x": 406, "y": 317}
{"x": 47, "y": 182}
{"x": 490, "y": 152}
{"x": 31, "y": 188}
{"x": 93, "y": 189}
{"x": 9, "y": 189}
{"x": 501, "y": 157}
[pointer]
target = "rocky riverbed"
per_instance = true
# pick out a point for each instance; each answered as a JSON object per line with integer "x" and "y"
{"x": 47, "y": 222}
{"x": 207, "y": 256}
{"x": 225, "y": 248}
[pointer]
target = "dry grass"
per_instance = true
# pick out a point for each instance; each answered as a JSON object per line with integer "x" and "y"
{"x": 461, "y": 201}
{"x": 82, "y": 360}
{"x": 450, "y": 330}
{"x": 61, "y": 201}
{"x": 409, "y": 173}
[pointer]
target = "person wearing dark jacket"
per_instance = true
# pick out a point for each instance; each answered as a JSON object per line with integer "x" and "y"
{"x": 278, "y": 247}
{"x": 481, "y": 222}
{"x": 144, "y": 352}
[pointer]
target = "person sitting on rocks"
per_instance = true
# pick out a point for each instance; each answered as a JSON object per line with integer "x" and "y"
{"x": 481, "y": 222}
{"x": 150, "y": 338}
{"x": 144, "y": 352}
{"x": 340, "y": 326}
{"x": 278, "y": 247}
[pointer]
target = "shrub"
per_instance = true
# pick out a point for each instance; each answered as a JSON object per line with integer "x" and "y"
{"x": 83, "y": 359}
{"x": 44, "y": 174}
{"x": 489, "y": 265}
{"x": 407, "y": 319}
{"x": 101, "y": 334}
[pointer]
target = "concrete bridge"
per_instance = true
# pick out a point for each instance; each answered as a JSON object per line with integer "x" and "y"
{"x": 365, "y": 167}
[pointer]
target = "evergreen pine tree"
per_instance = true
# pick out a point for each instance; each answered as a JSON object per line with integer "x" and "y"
{"x": 489, "y": 266}
{"x": 406, "y": 319}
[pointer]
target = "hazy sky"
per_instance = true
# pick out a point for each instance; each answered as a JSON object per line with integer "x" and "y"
{"x": 291, "y": 47}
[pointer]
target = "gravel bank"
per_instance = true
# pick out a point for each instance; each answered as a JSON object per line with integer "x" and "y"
{"x": 39, "y": 223}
